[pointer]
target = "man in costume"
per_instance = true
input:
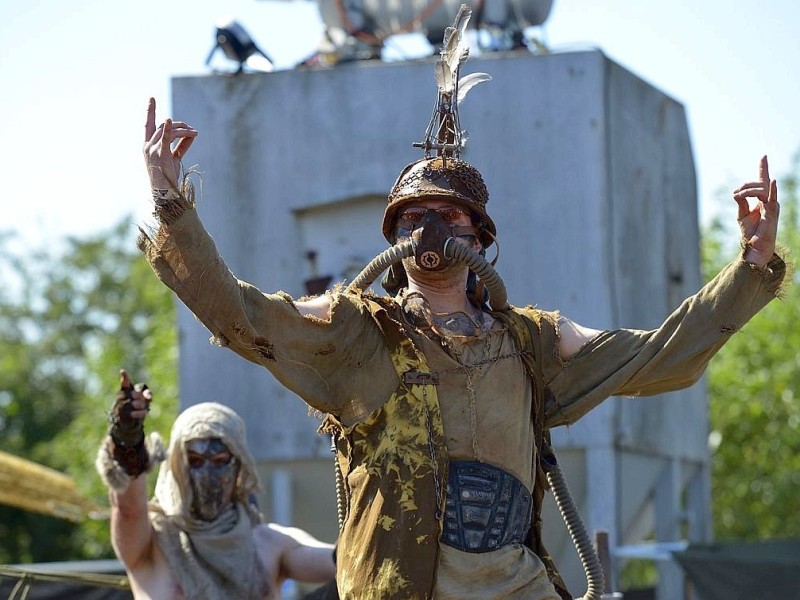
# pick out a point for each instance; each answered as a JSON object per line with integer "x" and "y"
{"x": 201, "y": 537}
{"x": 439, "y": 402}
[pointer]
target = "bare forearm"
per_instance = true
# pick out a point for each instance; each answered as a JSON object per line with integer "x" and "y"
{"x": 302, "y": 556}
{"x": 313, "y": 564}
{"x": 303, "y": 344}
{"x": 131, "y": 531}
{"x": 123, "y": 460}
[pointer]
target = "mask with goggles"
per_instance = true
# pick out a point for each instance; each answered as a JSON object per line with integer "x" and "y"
{"x": 213, "y": 471}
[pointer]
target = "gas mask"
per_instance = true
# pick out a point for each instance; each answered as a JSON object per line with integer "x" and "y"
{"x": 213, "y": 471}
{"x": 431, "y": 228}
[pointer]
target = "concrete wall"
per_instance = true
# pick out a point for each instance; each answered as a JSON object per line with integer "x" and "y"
{"x": 593, "y": 191}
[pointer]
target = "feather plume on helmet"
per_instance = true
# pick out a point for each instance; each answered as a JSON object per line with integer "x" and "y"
{"x": 441, "y": 174}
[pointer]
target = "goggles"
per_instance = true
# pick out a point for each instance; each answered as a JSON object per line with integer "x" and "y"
{"x": 449, "y": 214}
{"x": 411, "y": 218}
{"x": 211, "y": 452}
{"x": 198, "y": 461}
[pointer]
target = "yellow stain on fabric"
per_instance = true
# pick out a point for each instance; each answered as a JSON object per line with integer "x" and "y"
{"x": 389, "y": 579}
{"x": 386, "y": 522}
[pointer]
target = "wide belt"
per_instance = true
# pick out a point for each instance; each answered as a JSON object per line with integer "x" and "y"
{"x": 486, "y": 508}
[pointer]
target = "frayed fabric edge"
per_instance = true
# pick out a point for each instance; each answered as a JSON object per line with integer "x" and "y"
{"x": 168, "y": 211}
{"x": 112, "y": 473}
{"x": 777, "y": 273}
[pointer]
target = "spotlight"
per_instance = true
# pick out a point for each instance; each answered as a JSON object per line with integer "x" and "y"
{"x": 237, "y": 45}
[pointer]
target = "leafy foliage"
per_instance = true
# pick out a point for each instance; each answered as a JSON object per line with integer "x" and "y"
{"x": 754, "y": 384}
{"x": 69, "y": 323}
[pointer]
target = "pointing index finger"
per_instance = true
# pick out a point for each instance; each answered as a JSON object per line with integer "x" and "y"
{"x": 150, "y": 122}
{"x": 124, "y": 380}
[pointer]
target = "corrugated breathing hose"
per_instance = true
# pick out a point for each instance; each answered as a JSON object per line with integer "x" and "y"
{"x": 577, "y": 530}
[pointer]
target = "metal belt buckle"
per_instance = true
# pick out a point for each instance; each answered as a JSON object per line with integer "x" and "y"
{"x": 420, "y": 378}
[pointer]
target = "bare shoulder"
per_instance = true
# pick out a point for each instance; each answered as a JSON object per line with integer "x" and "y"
{"x": 286, "y": 536}
{"x": 273, "y": 539}
{"x": 319, "y": 307}
{"x": 269, "y": 532}
{"x": 572, "y": 337}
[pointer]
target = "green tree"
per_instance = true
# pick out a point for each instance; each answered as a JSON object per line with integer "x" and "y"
{"x": 754, "y": 384}
{"x": 69, "y": 322}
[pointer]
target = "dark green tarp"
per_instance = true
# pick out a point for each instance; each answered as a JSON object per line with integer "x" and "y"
{"x": 743, "y": 570}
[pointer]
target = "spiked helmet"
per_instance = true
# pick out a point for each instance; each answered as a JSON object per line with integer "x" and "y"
{"x": 441, "y": 174}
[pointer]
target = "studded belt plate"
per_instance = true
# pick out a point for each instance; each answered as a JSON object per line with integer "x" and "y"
{"x": 487, "y": 508}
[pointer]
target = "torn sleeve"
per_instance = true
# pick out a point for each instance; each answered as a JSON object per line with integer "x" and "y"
{"x": 629, "y": 362}
{"x": 327, "y": 363}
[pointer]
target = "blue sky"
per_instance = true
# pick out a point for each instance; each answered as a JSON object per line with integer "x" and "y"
{"x": 76, "y": 76}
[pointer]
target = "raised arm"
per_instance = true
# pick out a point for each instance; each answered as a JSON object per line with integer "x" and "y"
{"x": 630, "y": 362}
{"x": 296, "y": 340}
{"x": 759, "y": 227}
{"x": 131, "y": 532}
{"x": 123, "y": 462}
{"x": 165, "y": 146}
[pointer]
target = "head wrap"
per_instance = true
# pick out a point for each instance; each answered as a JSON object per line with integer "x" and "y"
{"x": 210, "y": 559}
{"x": 205, "y": 420}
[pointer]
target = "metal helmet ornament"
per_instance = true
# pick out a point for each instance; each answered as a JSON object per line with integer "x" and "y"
{"x": 441, "y": 174}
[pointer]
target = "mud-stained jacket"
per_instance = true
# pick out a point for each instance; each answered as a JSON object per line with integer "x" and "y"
{"x": 391, "y": 444}
{"x": 393, "y": 468}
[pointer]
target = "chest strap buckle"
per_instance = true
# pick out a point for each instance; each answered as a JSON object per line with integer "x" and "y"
{"x": 420, "y": 378}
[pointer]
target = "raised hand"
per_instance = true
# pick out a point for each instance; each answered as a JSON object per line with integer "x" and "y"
{"x": 162, "y": 160}
{"x": 126, "y": 433}
{"x": 130, "y": 408}
{"x": 139, "y": 395}
{"x": 759, "y": 223}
